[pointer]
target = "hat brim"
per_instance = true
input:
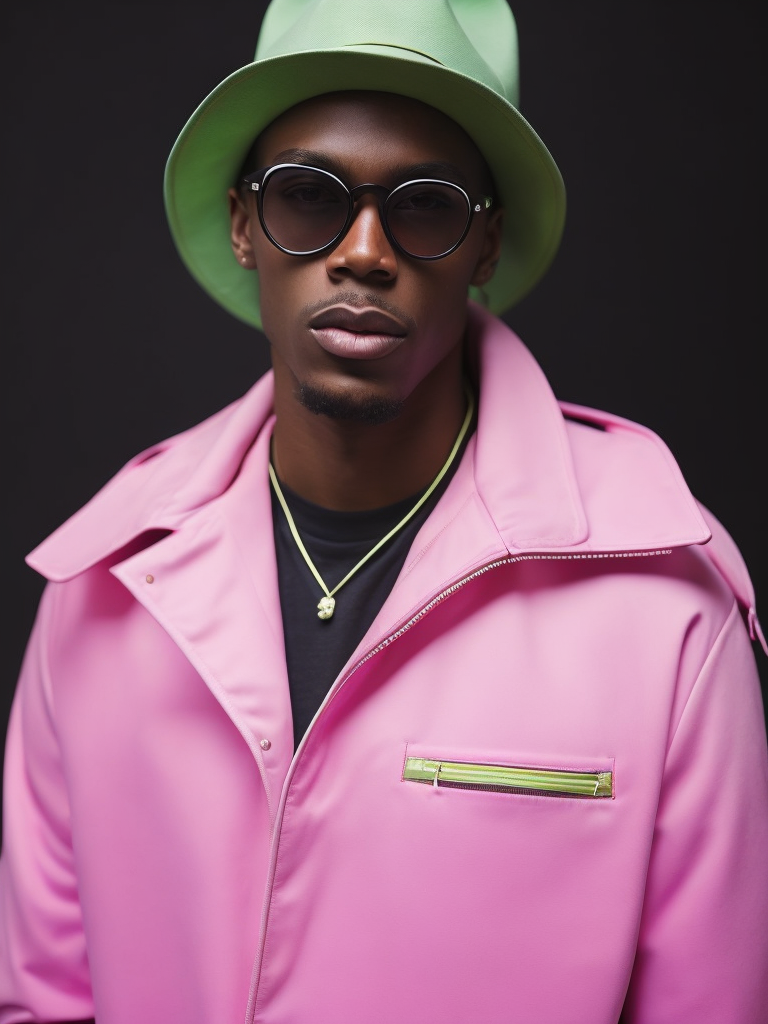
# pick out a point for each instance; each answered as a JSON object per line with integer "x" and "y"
{"x": 211, "y": 147}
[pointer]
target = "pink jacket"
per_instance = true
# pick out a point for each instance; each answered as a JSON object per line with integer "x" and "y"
{"x": 540, "y": 781}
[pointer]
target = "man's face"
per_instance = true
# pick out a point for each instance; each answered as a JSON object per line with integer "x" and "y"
{"x": 361, "y": 329}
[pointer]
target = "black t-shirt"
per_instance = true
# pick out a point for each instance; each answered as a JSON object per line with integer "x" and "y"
{"x": 317, "y": 649}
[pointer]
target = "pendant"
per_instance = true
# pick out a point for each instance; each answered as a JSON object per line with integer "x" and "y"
{"x": 325, "y": 607}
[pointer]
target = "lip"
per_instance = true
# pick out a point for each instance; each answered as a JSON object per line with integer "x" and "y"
{"x": 357, "y": 334}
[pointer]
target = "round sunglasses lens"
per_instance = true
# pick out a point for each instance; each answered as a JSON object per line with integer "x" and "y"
{"x": 427, "y": 218}
{"x": 303, "y": 208}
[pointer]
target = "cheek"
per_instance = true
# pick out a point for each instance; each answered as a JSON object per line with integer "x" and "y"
{"x": 452, "y": 275}
{"x": 440, "y": 289}
{"x": 284, "y": 287}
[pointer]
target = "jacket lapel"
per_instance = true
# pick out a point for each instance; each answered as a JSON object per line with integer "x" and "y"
{"x": 214, "y": 590}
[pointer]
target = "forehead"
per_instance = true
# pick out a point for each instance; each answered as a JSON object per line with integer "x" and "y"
{"x": 384, "y": 128}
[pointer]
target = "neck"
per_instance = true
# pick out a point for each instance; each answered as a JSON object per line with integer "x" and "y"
{"x": 351, "y": 466}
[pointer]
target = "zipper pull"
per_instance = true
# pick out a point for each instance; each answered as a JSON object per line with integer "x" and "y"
{"x": 437, "y": 773}
{"x": 603, "y": 784}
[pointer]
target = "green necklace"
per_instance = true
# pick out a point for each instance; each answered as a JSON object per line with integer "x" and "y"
{"x": 327, "y": 603}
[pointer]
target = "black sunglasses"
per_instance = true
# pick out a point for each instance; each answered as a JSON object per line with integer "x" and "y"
{"x": 306, "y": 210}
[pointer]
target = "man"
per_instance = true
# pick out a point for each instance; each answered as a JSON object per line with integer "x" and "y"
{"x": 395, "y": 691}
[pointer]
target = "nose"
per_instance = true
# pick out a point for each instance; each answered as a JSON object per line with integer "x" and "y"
{"x": 364, "y": 250}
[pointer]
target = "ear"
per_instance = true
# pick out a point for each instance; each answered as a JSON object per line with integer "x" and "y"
{"x": 240, "y": 220}
{"x": 490, "y": 251}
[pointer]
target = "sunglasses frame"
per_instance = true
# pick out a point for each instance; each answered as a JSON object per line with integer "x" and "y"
{"x": 258, "y": 180}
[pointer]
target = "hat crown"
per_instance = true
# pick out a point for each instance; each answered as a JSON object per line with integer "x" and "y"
{"x": 477, "y": 38}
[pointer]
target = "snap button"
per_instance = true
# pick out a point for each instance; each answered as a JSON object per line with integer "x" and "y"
{"x": 265, "y": 744}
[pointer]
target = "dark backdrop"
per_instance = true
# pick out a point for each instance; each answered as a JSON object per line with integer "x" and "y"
{"x": 654, "y": 308}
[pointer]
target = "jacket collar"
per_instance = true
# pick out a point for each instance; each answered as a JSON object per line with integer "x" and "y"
{"x": 523, "y": 467}
{"x": 547, "y": 485}
{"x": 159, "y": 489}
{"x": 557, "y": 477}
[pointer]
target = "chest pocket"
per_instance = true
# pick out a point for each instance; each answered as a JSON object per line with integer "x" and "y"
{"x": 499, "y": 778}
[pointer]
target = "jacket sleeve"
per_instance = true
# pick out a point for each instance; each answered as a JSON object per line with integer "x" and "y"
{"x": 43, "y": 963}
{"x": 702, "y": 954}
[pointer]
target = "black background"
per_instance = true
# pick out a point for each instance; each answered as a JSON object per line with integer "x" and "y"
{"x": 653, "y": 309}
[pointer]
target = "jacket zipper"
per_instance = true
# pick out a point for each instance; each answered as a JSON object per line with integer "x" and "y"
{"x": 439, "y": 598}
{"x": 499, "y": 778}
{"x": 250, "y": 1012}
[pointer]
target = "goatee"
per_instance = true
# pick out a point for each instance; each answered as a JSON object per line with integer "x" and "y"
{"x": 368, "y": 410}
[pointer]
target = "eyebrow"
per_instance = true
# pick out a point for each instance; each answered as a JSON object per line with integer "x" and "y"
{"x": 441, "y": 169}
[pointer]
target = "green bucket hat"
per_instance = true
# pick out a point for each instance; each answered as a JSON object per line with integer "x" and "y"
{"x": 459, "y": 56}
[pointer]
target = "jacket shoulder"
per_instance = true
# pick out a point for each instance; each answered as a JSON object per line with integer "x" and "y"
{"x": 619, "y": 447}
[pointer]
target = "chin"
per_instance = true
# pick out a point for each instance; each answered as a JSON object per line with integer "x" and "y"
{"x": 346, "y": 405}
